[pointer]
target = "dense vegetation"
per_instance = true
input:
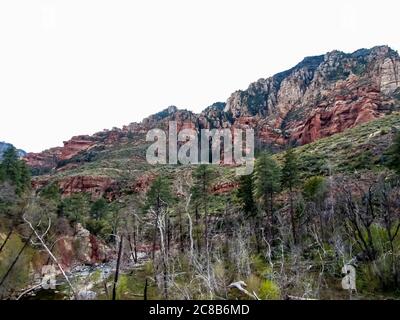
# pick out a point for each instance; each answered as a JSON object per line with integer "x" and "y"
{"x": 286, "y": 230}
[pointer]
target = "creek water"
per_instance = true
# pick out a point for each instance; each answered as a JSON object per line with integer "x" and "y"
{"x": 83, "y": 278}
{"x": 89, "y": 282}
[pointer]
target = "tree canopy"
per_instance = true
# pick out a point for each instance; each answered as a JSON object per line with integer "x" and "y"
{"x": 15, "y": 171}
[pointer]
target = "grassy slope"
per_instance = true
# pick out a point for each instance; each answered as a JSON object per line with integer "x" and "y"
{"x": 362, "y": 147}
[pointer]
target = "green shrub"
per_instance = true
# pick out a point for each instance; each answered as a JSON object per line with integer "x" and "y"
{"x": 260, "y": 267}
{"x": 269, "y": 291}
{"x": 314, "y": 188}
{"x": 76, "y": 208}
{"x": 122, "y": 287}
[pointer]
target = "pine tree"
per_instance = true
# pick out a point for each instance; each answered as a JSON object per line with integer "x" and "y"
{"x": 14, "y": 170}
{"x": 267, "y": 183}
{"x": 245, "y": 195}
{"x": 98, "y": 210}
{"x": 267, "y": 180}
{"x": 159, "y": 194}
{"x": 9, "y": 166}
{"x": 203, "y": 177}
{"x": 76, "y": 207}
{"x": 290, "y": 178}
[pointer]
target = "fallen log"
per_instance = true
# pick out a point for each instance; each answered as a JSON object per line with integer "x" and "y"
{"x": 290, "y": 297}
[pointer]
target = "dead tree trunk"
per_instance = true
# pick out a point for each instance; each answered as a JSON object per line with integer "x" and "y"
{"x": 114, "y": 295}
{"x": 133, "y": 252}
{"x": 257, "y": 234}
{"x": 181, "y": 241}
{"x": 40, "y": 238}
{"x": 164, "y": 253}
{"x": 15, "y": 260}
{"x": 292, "y": 216}
{"x": 135, "y": 246}
{"x": 196, "y": 219}
{"x": 145, "y": 290}
{"x": 156, "y": 228}
{"x": 5, "y": 241}
{"x": 168, "y": 235}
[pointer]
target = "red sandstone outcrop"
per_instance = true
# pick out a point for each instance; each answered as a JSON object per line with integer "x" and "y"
{"x": 321, "y": 96}
{"x": 224, "y": 187}
{"x": 96, "y": 186}
{"x": 342, "y": 113}
{"x": 75, "y": 145}
{"x": 143, "y": 183}
{"x": 45, "y": 160}
{"x": 49, "y": 159}
{"x": 81, "y": 247}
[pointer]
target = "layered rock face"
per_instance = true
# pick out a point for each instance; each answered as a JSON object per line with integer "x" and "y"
{"x": 79, "y": 246}
{"x": 50, "y": 158}
{"x": 319, "y": 97}
{"x": 45, "y": 160}
{"x": 96, "y": 186}
{"x": 76, "y": 145}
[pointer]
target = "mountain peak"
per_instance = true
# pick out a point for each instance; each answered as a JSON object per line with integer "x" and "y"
{"x": 320, "y": 96}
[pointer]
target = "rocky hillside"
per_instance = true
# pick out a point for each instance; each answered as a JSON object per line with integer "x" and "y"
{"x": 4, "y": 146}
{"x": 319, "y": 97}
{"x": 341, "y": 111}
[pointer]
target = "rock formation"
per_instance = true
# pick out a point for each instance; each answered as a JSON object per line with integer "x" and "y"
{"x": 319, "y": 97}
{"x": 4, "y": 146}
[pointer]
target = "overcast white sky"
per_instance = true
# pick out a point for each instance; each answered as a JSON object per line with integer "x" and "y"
{"x": 79, "y": 66}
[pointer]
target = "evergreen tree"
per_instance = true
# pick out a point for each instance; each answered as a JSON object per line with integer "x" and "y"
{"x": 315, "y": 189}
{"x": 101, "y": 218}
{"x": 98, "y": 209}
{"x": 76, "y": 208}
{"x": 159, "y": 194}
{"x": 290, "y": 178}
{"x": 51, "y": 192}
{"x": 14, "y": 170}
{"x": 9, "y": 165}
{"x": 203, "y": 177}
{"x": 245, "y": 195}
{"x": 267, "y": 183}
